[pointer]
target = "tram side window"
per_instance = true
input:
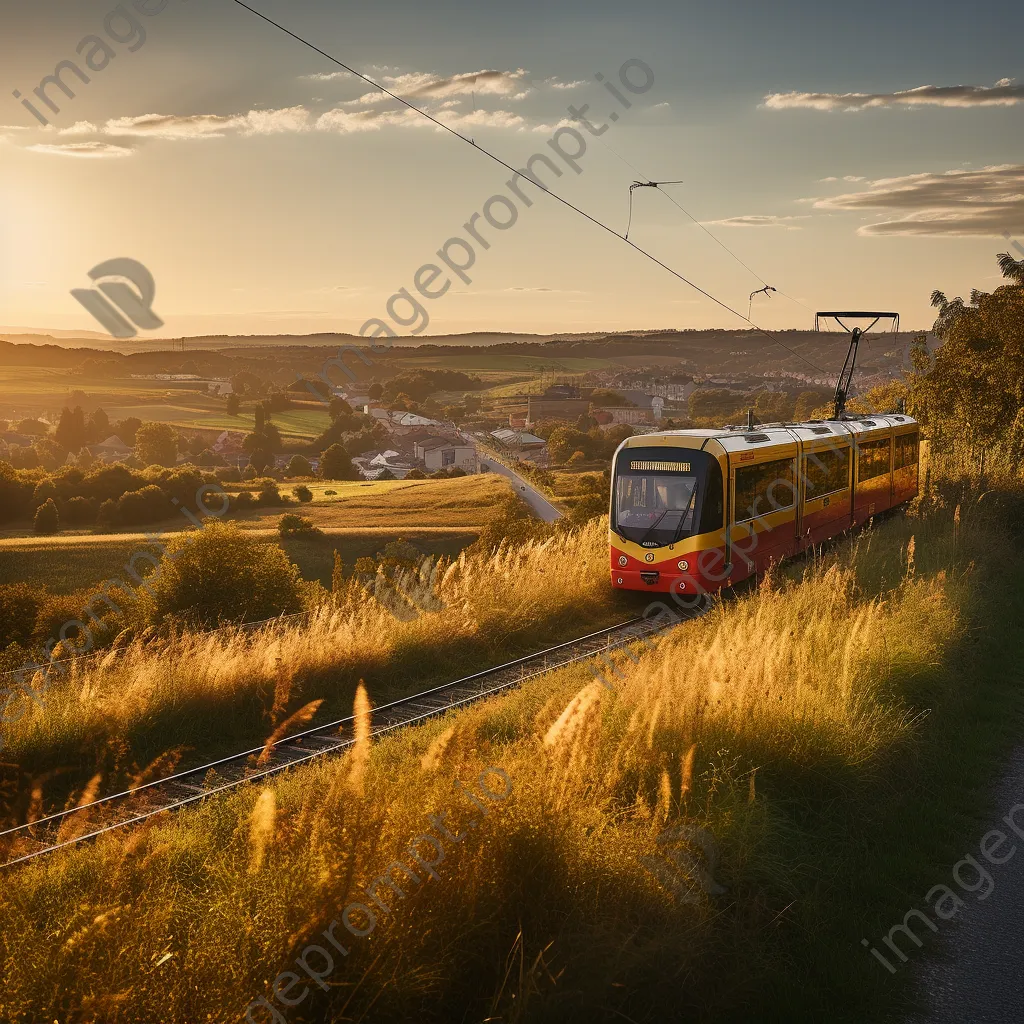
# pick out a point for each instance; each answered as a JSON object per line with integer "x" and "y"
{"x": 906, "y": 450}
{"x": 763, "y": 489}
{"x": 873, "y": 459}
{"x": 826, "y": 471}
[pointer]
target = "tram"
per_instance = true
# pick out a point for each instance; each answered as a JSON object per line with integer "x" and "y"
{"x": 693, "y": 511}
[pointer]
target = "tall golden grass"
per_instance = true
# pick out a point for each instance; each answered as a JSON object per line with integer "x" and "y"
{"x": 214, "y": 691}
{"x": 544, "y": 910}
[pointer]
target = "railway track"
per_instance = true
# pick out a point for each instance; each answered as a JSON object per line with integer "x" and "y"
{"x": 119, "y": 810}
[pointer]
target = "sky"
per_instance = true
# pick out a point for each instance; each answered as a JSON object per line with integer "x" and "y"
{"x": 850, "y": 156}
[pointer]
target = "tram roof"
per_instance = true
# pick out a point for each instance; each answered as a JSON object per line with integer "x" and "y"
{"x": 779, "y": 433}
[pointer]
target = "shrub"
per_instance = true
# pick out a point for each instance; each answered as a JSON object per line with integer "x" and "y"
{"x": 243, "y": 501}
{"x": 416, "y": 474}
{"x": 44, "y": 489}
{"x": 80, "y": 511}
{"x": 330, "y": 492}
{"x": 19, "y": 605}
{"x": 297, "y": 526}
{"x": 576, "y": 458}
{"x": 303, "y": 493}
{"x": 106, "y": 517}
{"x": 269, "y": 495}
{"x": 47, "y": 519}
{"x": 220, "y": 574}
{"x": 298, "y": 465}
{"x": 137, "y": 508}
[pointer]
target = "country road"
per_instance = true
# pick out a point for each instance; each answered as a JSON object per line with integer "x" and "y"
{"x": 542, "y": 508}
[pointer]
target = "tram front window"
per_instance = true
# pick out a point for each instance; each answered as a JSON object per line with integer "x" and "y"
{"x": 655, "y": 508}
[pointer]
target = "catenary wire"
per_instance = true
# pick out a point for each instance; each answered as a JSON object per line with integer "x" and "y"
{"x": 554, "y": 195}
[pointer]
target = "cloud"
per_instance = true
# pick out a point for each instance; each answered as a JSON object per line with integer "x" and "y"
{"x": 980, "y": 203}
{"x": 1003, "y": 94}
{"x": 756, "y": 220}
{"x": 554, "y": 83}
{"x": 176, "y": 127}
{"x": 80, "y": 128}
{"x": 93, "y": 150}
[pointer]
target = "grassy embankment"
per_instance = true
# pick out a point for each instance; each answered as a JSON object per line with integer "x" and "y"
{"x": 844, "y": 724}
{"x": 199, "y": 695}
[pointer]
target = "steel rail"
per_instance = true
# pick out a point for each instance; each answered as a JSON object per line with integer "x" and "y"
{"x": 290, "y": 752}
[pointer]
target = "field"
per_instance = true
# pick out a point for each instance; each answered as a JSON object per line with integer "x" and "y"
{"x": 29, "y": 391}
{"x": 462, "y": 503}
{"x": 438, "y": 516}
{"x": 828, "y": 733}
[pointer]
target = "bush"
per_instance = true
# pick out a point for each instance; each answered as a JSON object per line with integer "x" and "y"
{"x": 44, "y": 489}
{"x": 243, "y": 501}
{"x": 298, "y": 465}
{"x": 329, "y": 492}
{"x": 576, "y": 458}
{"x": 106, "y": 517}
{"x": 148, "y": 505}
{"x": 269, "y": 495}
{"x": 80, "y": 511}
{"x": 416, "y": 474}
{"x": 297, "y": 526}
{"x": 47, "y": 519}
{"x": 19, "y": 605}
{"x": 303, "y": 493}
{"x": 220, "y": 574}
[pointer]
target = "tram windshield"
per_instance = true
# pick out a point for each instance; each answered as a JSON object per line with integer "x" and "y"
{"x": 659, "y": 493}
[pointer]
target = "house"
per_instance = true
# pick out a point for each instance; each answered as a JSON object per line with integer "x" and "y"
{"x": 111, "y": 450}
{"x": 426, "y": 444}
{"x": 228, "y": 443}
{"x": 623, "y": 414}
{"x": 412, "y": 419}
{"x": 448, "y": 455}
{"x": 517, "y": 440}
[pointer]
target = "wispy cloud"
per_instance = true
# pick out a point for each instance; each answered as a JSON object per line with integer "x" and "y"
{"x": 89, "y": 150}
{"x": 756, "y": 220}
{"x": 982, "y": 203}
{"x": 1003, "y": 94}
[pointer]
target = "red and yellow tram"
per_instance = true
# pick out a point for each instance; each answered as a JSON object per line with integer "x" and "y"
{"x": 695, "y": 510}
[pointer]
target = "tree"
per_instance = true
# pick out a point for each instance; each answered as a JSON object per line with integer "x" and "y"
{"x": 299, "y": 465}
{"x": 386, "y": 474}
{"x": 259, "y": 460}
{"x": 336, "y": 464}
{"x": 99, "y": 426}
{"x": 375, "y": 390}
{"x": 303, "y": 493}
{"x": 233, "y": 404}
{"x": 606, "y": 398}
{"x": 337, "y": 576}
{"x": 259, "y": 418}
{"x": 32, "y": 427}
{"x": 338, "y": 407}
{"x": 72, "y": 432}
{"x": 222, "y": 574}
{"x": 292, "y": 525}
{"x": 47, "y": 519}
{"x": 156, "y": 444}
{"x": 973, "y": 394}
{"x": 126, "y": 429}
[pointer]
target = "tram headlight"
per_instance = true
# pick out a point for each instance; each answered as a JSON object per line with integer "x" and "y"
{"x": 649, "y": 557}
{"x": 683, "y": 565}
{"x": 619, "y": 580}
{"x": 623, "y": 560}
